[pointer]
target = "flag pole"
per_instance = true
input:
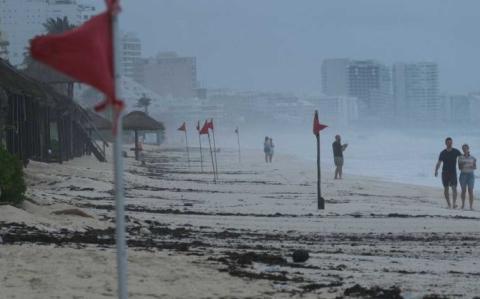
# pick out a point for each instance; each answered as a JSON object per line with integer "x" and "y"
{"x": 317, "y": 127}
{"x": 201, "y": 154}
{"x": 118, "y": 174}
{"x": 214, "y": 150}
{"x": 238, "y": 141}
{"x": 211, "y": 155}
{"x": 186, "y": 144}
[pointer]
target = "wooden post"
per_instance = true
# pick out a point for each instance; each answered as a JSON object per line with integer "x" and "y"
{"x": 136, "y": 145}
{"x": 320, "y": 199}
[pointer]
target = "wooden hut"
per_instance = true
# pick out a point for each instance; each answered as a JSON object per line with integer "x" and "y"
{"x": 139, "y": 121}
{"x": 37, "y": 122}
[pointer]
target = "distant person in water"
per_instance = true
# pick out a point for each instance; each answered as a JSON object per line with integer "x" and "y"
{"x": 467, "y": 165}
{"x": 271, "y": 148}
{"x": 449, "y": 171}
{"x": 338, "y": 149}
{"x": 266, "y": 148}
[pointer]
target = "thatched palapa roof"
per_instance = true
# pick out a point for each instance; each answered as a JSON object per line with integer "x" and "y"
{"x": 140, "y": 121}
{"x": 99, "y": 121}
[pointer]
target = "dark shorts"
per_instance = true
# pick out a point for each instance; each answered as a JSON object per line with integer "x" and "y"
{"x": 449, "y": 179}
{"x": 338, "y": 161}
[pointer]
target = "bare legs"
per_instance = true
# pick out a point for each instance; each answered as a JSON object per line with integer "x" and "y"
{"x": 454, "y": 196}
{"x": 338, "y": 172}
{"x": 470, "y": 197}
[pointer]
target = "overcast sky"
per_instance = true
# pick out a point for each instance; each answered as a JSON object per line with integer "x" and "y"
{"x": 279, "y": 45}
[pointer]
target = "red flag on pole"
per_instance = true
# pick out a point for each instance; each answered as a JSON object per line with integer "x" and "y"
{"x": 210, "y": 124}
{"x": 317, "y": 126}
{"x": 204, "y": 129}
{"x": 84, "y": 53}
{"x": 183, "y": 127}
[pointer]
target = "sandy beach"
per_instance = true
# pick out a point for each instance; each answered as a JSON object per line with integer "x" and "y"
{"x": 189, "y": 237}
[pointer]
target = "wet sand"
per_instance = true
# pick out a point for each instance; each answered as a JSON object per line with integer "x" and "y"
{"x": 191, "y": 238}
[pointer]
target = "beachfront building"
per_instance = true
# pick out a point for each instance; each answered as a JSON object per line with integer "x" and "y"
{"x": 3, "y": 46}
{"x": 415, "y": 89}
{"x": 336, "y": 110}
{"x": 130, "y": 55}
{"x": 168, "y": 74}
{"x": 21, "y": 20}
{"x": 39, "y": 123}
{"x": 460, "y": 109}
{"x": 335, "y": 77}
{"x": 369, "y": 81}
{"x": 366, "y": 80}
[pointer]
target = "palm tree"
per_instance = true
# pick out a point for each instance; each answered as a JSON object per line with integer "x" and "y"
{"x": 51, "y": 26}
{"x": 144, "y": 102}
{"x": 58, "y": 25}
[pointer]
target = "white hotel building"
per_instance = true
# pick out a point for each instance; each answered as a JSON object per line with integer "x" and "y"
{"x": 21, "y": 20}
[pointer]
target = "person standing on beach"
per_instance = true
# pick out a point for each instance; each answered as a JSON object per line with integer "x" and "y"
{"x": 467, "y": 165}
{"x": 270, "y": 152}
{"x": 338, "y": 149}
{"x": 449, "y": 170}
{"x": 266, "y": 148}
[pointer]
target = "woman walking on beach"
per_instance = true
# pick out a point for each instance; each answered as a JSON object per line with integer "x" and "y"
{"x": 467, "y": 165}
{"x": 266, "y": 148}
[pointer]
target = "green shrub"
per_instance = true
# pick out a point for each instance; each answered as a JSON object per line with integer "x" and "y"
{"x": 12, "y": 183}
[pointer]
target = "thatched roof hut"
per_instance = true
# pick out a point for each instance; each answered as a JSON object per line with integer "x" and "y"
{"x": 140, "y": 121}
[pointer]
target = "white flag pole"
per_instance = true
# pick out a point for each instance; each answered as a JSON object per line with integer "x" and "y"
{"x": 118, "y": 174}
{"x": 201, "y": 155}
{"x": 213, "y": 162}
{"x": 238, "y": 141}
{"x": 214, "y": 150}
{"x": 186, "y": 145}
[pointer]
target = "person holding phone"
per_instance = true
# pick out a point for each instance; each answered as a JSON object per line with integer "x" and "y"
{"x": 338, "y": 149}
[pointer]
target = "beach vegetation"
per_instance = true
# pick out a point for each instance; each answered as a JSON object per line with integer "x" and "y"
{"x": 12, "y": 183}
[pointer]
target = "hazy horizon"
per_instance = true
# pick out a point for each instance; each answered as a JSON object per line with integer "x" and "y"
{"x": 279, "y": 45}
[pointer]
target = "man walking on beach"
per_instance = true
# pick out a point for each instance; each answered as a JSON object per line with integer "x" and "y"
{"x": 449, "y": 170}
{"x": 338, "y": 149}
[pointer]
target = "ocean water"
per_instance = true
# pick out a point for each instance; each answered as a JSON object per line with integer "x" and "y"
{"x": 396, "y": 156}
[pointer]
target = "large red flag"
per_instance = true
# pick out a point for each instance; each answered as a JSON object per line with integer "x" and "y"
{"x": 204, "y": 129}
{"x": 84, "y": 53}
{"x": 317, "y": 126}
{"x": 183, "y": 127}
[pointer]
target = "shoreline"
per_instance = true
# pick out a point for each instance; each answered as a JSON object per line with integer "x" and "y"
{"x": 236, "y": 237}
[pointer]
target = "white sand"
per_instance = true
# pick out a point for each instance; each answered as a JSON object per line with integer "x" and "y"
{"x": 357, "y": 207}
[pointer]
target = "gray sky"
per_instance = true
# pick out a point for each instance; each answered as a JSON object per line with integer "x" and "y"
{"x": 279, "y": 45}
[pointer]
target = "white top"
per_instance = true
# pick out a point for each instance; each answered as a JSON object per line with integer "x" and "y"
{"x": 467, "y": 164}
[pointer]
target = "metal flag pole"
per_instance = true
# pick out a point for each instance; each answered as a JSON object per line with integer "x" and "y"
{"x": 118, "y": 175}
{"x": 214, "y": 150}
{"x": 201, "y": 154}
{"x": 211, "y": 155}
{"x": 186, "y": 144}
{"x": 238, "y": 141}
